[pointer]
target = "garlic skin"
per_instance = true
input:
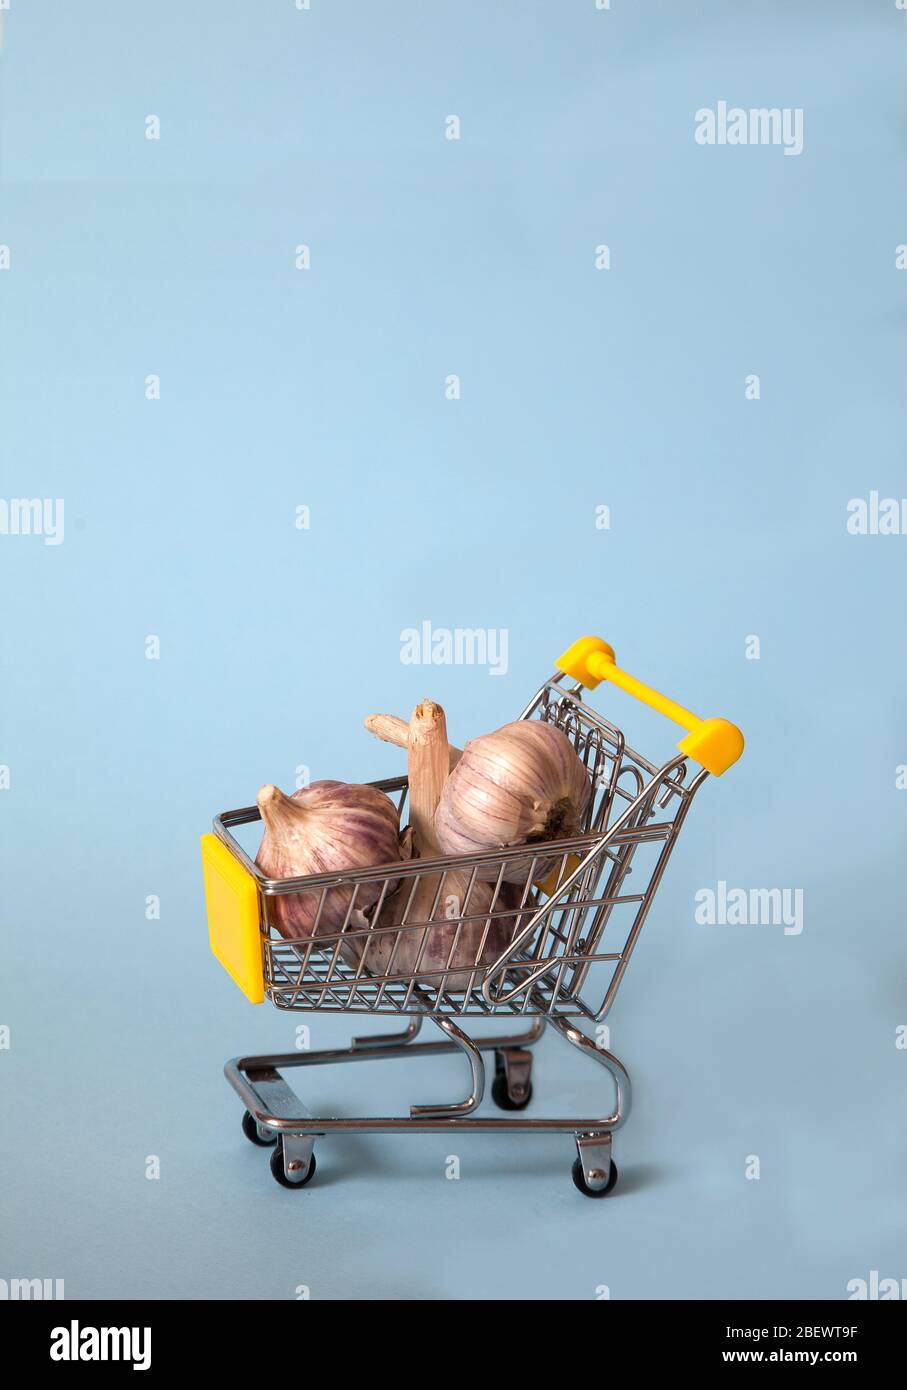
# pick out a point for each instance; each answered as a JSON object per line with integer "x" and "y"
{"x": 471, "y": 946}
{"x": 327, "y": 827}
{"x": 522, "y": 784}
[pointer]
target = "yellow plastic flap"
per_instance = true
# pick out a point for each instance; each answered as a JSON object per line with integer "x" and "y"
{"x": 549, "y": 883}
{"x": 231, "y": 896}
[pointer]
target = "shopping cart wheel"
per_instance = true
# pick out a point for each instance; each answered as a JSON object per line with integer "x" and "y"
{"x": 277, "y": 1169}
{"x": 253, "y": 1133}
{"x": 504, "y": 1100}
{"x": 579, "y": 1179}
{"x": 512, "y": 1086}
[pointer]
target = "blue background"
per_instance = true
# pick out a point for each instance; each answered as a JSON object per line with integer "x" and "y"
{"x": 325, "y": 387}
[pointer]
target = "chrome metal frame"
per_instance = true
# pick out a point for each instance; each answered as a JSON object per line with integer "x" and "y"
{"x": 278, "y": 1112}
{"x": 552, "y": 948}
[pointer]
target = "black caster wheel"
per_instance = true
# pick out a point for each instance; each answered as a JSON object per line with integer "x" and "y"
{"x": 250, "y": 1130}
{"x": 579, "y": 1180}
{"x": 502, "y": 1097}
{"x": 278, "y": 1173}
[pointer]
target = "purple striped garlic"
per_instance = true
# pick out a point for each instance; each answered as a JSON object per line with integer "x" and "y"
{"x": 327, "y": 827}
{"x": 447, "y": 952}
{"x": 521, "y": 785}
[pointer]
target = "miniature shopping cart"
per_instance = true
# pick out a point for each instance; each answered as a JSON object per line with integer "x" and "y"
{"x": 571, "y": 929}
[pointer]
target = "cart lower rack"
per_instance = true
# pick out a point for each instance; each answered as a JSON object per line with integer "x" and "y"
{"x": 570, "y": 930}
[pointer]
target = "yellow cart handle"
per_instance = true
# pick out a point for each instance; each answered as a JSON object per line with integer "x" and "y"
{"x": 713, "y": 743}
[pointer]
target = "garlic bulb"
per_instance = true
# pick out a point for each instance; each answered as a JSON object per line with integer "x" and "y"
{"x": 471, "y": 946}
{"x": 521, "y": 785}
{"x": 328, "y": 827}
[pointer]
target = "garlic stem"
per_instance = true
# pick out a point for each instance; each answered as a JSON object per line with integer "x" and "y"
{"x": 390, "y": 728}
{"x": 428, "y": 763}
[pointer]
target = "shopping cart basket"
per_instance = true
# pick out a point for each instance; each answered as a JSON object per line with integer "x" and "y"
{"x": 560, "y": 965}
